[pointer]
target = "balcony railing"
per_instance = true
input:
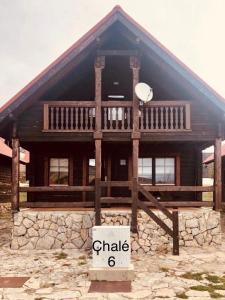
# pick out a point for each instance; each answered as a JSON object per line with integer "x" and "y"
{"x": 77, "y": 116}
{"x": 63, "y": 116}
{"x": 165, "y": 116}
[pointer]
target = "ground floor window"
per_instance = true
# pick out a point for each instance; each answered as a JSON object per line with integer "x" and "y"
{"x": 157, "y": 170}
{"x": 145, "y": 170}
{"x": 91, "y": 171}
{"x": 58, "y": 171}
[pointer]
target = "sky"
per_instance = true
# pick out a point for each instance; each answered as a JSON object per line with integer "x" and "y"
{"x": 35, "y": 32}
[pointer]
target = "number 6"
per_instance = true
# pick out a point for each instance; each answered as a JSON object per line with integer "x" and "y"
{"x": 111, "y": 261}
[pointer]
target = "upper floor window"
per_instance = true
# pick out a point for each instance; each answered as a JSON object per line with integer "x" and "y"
{"x": 59, "y": 171}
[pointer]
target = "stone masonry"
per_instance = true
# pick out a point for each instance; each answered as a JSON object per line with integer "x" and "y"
{"x": 72, "y": 229}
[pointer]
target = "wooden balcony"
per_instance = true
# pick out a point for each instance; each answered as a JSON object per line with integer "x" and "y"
{"x": 80, "y": 116}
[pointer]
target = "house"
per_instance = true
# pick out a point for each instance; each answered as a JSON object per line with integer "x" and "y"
{"x": 91, "y": 141}
{"x": 6, "y": 169}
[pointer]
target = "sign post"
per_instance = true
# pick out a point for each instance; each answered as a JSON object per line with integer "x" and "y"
{"x": 111, "y": 254}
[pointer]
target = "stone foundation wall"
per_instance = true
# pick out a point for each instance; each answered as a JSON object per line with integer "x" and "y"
{"x": 72, "y": 229}
{"x": 5, "y": 207}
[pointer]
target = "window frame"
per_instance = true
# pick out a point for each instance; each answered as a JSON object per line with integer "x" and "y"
{"x": 164, "y": 157}
{"x": 176, "y": 158}
{"x": 49, "y": 166}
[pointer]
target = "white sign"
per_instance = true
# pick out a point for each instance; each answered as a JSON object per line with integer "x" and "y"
{"x": 111, "y": 246}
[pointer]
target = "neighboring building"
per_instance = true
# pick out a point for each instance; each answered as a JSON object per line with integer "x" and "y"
{"x": 208, "y": 164}
{"x": 207, "y": 169}
{"x": 6, "y": 169}
{"x": 92, "y": 144}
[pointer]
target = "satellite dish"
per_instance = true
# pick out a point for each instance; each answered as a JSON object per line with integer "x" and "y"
{"x": 144, "y": 92}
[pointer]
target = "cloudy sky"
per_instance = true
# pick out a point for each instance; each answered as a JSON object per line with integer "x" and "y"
{"x": 34, "y": 32}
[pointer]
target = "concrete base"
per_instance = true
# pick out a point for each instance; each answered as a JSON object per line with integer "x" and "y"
{"x": 114, "y": 274}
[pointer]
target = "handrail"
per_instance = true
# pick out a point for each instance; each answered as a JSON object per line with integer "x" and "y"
{"x": 116, "y": 103}
{"x": 177, "y": 188}
{"x": 115, "y": 183}
{"x": 35, "y": 189}
{"x": 174, "y": 232}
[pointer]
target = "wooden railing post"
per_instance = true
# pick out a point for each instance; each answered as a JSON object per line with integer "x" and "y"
{"x": 45, "y": 116}
{"x": 188, "y": 116}
{"x": 175, "y": 233}
{"x": 15, "y": 170}
{"x": 217, "y": 174}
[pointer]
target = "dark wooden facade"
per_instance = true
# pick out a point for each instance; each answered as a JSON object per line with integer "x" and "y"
{"x": 70, "y": 111}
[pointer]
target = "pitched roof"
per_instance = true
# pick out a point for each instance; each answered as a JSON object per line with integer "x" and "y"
{"x": 210, "y": 158}
{"x": 117, "y": 14}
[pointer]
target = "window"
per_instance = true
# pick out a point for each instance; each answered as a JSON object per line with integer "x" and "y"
{"x": 59, "y": 171}
{"x": 91, "y": 171}
{"x": 145, "y": 170}
{"x": 156, "y": 170}
{"x": 165, "y": 171}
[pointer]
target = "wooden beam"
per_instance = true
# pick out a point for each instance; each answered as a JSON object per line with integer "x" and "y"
{"x": 15, "y": 174}
{"x": 135, "y": 155}
{"x": 97, "y": 202}
{"x": 109, "y": 173}
{"x": 117, "y": 52}
{"x": 116, "y": 183}
{"x": 174, "y": 188}
{"x": 217, "y": 174}
{"x": 71, "y": 170}
{"x": 178, "y": 170}
{"x": 98, "y": 158}
{"x": 46, "y": 171}
{"x": 45, "y": 117}
{"x": 98, "y": 167}
{"x": 190, "y": 204}
{"x": 116, "y": 200}
{"x": 46, "y": 204}
{"x": 99, "y": 65}
{"x": 175, "y": 233}
{"x": 49, "y": 189}
{"x": 135, "y": 66}
{"x": 84, "y": 175}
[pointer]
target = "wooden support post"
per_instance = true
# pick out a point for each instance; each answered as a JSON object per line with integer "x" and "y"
{"x": 109, "y": 173}
{"x": 135, "y": 66}
{"x": 134, "y": 205}
{"x": 15, "y": 170}
{"x": 175, "y": 233}
{"x": 99, "y": 65}
{"x": 217, "y": 174}
{"x": 98, "y": 166}
{"x": 84, "y": 176}
{"x": 135, "y": 155}
{"x": 198, "y": 172}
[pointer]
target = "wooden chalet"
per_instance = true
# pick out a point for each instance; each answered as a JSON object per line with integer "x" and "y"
{"x": 92, "y": 143}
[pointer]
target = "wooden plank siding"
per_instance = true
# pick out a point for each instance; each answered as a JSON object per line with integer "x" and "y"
{"x": 41, "y": 152}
